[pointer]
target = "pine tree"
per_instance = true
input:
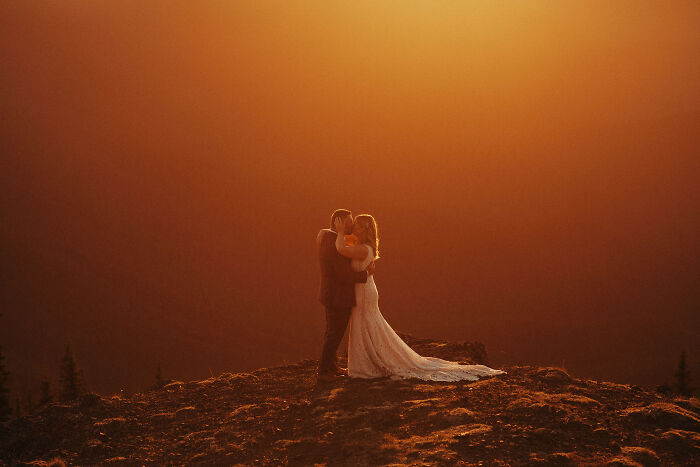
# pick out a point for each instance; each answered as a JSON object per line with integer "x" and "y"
{"x": 681, "y": 384}
{"x": 71, "y": 378}
{"x": 18, "y": 408}
{"x": 159, "y": 378}
{"x": 5, "y": 409}
{"x": 45, "y": 393}
{"x": 28, "y": 402}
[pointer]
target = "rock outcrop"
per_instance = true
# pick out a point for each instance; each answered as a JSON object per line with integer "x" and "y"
{"x": 281, "y": 415}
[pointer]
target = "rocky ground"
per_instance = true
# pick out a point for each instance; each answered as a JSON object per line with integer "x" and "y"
{"x": 532, "y": 415}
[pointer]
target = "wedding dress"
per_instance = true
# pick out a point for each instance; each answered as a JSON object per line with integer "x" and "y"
{"x": 375, "y": 350}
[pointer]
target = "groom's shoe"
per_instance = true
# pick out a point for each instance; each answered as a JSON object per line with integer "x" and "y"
{"x": 340, "y": 371}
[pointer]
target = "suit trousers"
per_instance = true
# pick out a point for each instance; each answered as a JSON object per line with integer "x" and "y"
{"x": 336, "y": 323}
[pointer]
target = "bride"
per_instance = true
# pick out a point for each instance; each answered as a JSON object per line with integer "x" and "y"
{"x": 374, "y": 349}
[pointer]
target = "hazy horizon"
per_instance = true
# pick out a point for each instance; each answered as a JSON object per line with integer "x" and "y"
{"x": 533, "y": 169}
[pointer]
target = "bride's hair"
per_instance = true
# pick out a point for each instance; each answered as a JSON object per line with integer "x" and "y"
{"x": 367, "y": 221}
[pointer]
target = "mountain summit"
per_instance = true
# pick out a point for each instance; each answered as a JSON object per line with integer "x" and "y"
{"x": 281, "y": 415}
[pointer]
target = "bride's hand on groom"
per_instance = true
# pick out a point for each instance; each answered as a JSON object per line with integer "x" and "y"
{"x": 370, "y": 269}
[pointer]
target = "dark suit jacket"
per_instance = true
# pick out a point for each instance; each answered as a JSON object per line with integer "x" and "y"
{"x": 338, "y": 280}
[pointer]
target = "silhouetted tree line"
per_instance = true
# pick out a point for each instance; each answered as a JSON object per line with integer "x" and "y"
{"x": 71, "y": 386}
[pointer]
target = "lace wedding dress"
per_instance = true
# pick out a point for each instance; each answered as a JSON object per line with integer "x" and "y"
{"x": 375, "y": 350}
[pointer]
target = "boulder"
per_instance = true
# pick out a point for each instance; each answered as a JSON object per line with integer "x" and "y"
{"x": 663, "y": 414}
{"x": 562, "y": 458}
{"x": 474, "y": 430}
{"x": 553, "y": 375}
{"x": 459, "y": 416}
{"x": 526, "y": 407}
{"x": 89, "y": 399}
{"x": 678, "y": 442}
{"x": 111, "y": 426}
{"x": 643, "y": 456}
{"x": 95, "y": 448}
{"x": 574, "y": 399}
{"x": 602, "y": 434}
{"x": 692, "y": 403}
{"x": 185, "y": 412}
{"x": 250, "y": 410}
{"x": 622, "y": 461}
{"x": 161, "y": 418}
{"x": 174, "y": 386}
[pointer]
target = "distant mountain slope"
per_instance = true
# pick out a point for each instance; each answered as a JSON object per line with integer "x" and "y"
{"x": 272, "y": 416}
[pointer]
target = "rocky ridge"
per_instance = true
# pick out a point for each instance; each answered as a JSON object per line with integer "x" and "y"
{"x": 282, "y": 416}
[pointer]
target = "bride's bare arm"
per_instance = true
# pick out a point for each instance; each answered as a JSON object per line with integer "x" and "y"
{"x": 358, "y": 251}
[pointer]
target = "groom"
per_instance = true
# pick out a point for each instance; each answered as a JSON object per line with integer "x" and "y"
{"x": 336, "y": 293}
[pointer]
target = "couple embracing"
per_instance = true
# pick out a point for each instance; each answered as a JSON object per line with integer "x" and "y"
{"x": 347, "y": 252}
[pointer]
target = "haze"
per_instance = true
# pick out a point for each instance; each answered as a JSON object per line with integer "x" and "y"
{"x": 533, "y": 168}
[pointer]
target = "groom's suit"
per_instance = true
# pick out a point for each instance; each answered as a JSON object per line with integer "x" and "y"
{"x": 337, "y": 294}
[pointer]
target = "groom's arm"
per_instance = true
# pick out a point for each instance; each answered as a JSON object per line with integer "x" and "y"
{"x": 345, "y": 274}
{"x": 340, "y": 270}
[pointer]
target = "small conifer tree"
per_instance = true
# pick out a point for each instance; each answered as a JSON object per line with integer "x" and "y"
{"x": 681, "y": 383}
{"x": 5, "y": 409}
{"x": 71, "y": 377}
{"x": 45, "y": 393}
{"x": 159, "y": 377}
{"x": 28, "y": 402}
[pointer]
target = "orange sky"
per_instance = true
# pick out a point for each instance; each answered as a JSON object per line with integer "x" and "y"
{"x": 532, "y": 165}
